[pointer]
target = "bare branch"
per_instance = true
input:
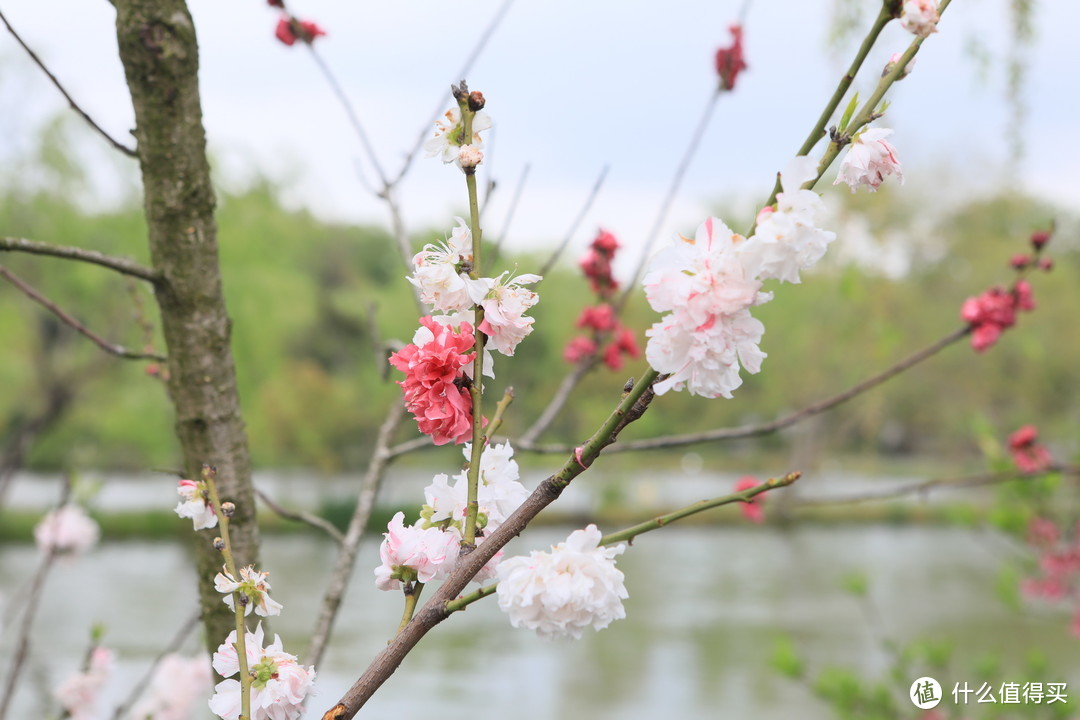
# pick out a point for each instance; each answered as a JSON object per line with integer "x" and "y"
{"x": 924, "y": 486}
{"x": 144, "y": 681}
{"x": 365, "y": 502}
{"x": 780, "y": 423}
{"x": 74, "y": 106}
{"x": 561, "y": 397}
{"x": 576, "y": 223}
{"x": 120, "y": 265}
{"x": 481, "y": 43}
{"x": 299, "y": 516}
{"x": 496, "y": 247}
{"x": 118, "y": 350}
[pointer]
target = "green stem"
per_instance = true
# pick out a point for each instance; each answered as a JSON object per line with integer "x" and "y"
{"x": 472, "y": 507}
{"x": 883, "y": 18}
{"x": 656, "y": 523}
{"x": 411, "y": 597}
{"x": 208, "y": 474}
{"x": 500, "y": 410}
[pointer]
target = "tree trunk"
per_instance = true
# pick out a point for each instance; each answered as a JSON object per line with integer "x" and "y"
{"x": 160, "y": 56}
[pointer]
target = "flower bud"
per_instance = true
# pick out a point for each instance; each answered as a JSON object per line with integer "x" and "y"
{"x": 476, "y": 101}
{"x": 470, "y": 156}
{"x": 1039, "y": 239}
{"x": 1020, "y": 261}
{"x": 1046, "y": 264}
{"x": 228, "y": 509}
{"x": 219, "y": 544}
{"x": 891, "y": 65}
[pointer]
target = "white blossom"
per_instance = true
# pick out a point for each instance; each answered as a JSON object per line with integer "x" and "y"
{"x": 868, "y": 160}
{"x": 66, "y": 530}
{"x": 414, "y": 553}
{"x": 174, "y": 688}
{"x": 450, "y": 135}
{"x": 562, "y": 592}
{"x": 78, "y": 694}
{"x": 498, "y": 492}
{"x": 196, "y": 504}
{"x": 438, "y": 271}
{"x": 254, "y": 585}
{"x": 279, "y": 682}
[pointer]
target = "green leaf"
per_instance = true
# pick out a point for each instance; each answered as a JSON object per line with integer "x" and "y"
{"x": 848, "y": 112}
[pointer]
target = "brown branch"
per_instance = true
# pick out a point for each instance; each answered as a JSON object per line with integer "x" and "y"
{"x": 780, "y": 423}
{"x": 120, "y": 265}
{"x": 343, "y": 568}
{"x": 118, "y": 350}
{"x": 561, "y": 397}
{"x": 927, "y": 485}
{"x": 630, "y": 408}
{"x": 173, "y": 646}
{"x": 74, "y": 106}
{"x": 300, "y": 516}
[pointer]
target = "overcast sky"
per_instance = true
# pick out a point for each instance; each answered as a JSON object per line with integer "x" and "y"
{"x": 572, "y": 86}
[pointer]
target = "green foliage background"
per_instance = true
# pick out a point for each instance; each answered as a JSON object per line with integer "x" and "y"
{"x": 311, "y": 300}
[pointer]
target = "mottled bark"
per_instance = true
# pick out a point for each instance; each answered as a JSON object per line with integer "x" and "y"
{"x": 160, "y": 56}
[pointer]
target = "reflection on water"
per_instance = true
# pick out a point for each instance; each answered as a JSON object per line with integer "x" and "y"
{"x": 704, "y": 609}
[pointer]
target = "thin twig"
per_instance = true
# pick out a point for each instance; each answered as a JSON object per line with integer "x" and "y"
{"x": 496, "y": 247}
{"x": 669, "y": 197}
{"x": 300, "y": 516}
{"x": 118, "y": 350}
{"x": 561, "y": 397}
{"x": 466, "y": 68}
{"x": 927, "y": 485}
{"x": 780, "y": 423}
{"x": 120, "y": 265}
{"x": 346, "y": 560}
{"x": 22, "y": 644}
{"x": 74, "y": 106}
{"x": 174, "y": 645}
{"x": 576, "y": 223}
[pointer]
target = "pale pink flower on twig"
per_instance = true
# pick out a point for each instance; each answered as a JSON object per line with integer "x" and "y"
{"x": 436, "y": 384}
{"x": 470, "y": 156}
{"x": 505, "y": 303}
{"x": 868, "y": 160}
{"x": 178, "y": 682}
{"x": 279, "y": 682}
{"x": 440, "y": 271}
{"x": 787, "y": 239}
{"x": 195, "y": 504}
{"x": 751, "y": 509}
{"x": 450, "y": 135}
{"x": 414, "y": 553}
{"x": 498, "y": 492}
{"x": 67, "y": 530}
{"x": 254, "y": 585}
{"x": 562, "y": 592}
{"x": 920, "y": 17}
{"x": 78, "y": 694}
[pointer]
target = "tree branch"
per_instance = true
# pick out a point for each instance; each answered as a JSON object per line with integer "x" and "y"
{"x": 303, "y": 517}
{"x": 74, "y": 106}
{"x": 780, "y": 423}
{"x": 117, "y": 350}
{"x": 139, "y": 687}
{"x": 120, "y": 265}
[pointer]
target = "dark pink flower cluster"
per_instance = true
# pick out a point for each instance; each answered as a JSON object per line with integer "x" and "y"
{"x": 289, "y": 29}
{"x": 436, "y": 388}
{"x": 603, "y": 323}
{"x": 730, "y": 61}
{"x": 994, "y": 311}
{"x": 1059, "y": 565}
{"x": 751, "y": 509}
{"x": 596, "y": 264}
{"x": 1029, "y": 456}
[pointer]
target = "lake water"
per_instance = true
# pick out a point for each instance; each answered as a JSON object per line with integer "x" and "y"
{"x": 705, "y": 608}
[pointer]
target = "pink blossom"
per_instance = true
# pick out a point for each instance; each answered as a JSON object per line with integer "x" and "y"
{"x": 440, "y": 273}
{"x": 1039, "y": 239}
{"x": 868, "y": 160}
{"x": 68, "y": 530}
{"x": 1043, "y": 532}
{"x": 435, "y": 380}
{"x": 1029, "y": 456}
{"x": 751, "y": 509}
{"x": 414, "y": 553}
{"x": 289, "y": 30}
{"x": 470, "y": 156}
{"x": 253, "y": 585}
{"x": 994, "y": 311}
{"x": 176, "y": 685}
{"x": 505, "y": 303}
{"x": 78, "y": 694}
{"x": 578, "y": 348}
{"x": 596, "y": 264}
{"x": 729, "y": 60}
{"x": 920, "y": 17}
{"x": 279, "y": 682}
{"x": 600, "y": 318}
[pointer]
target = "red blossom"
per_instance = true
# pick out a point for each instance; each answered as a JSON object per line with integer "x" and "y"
{"x": 994, "y": 311}
{"x": 626, "y": 342}
{"x": 1039, "y": 239}
{"x": 435, "y": 385}
{"x": 579, "y": 348}
{"x": 730, "y": 61}
{"x": 751, "y": 509}
{"x": 289, "y": 30}
{"x": 600, "y": 318}
{"x": 1020, "y": 261}
{"x": 1028, "y": 456}
{"x": 596, "y": 264}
